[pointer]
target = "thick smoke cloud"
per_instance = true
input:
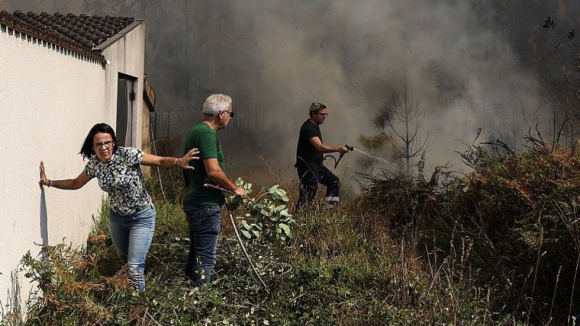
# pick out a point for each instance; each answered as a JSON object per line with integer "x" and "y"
{"x": 463, "y": 74}
{"x": 468, "y": 64}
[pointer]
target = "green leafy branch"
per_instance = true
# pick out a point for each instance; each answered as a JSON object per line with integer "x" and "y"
{"x": 266, "y": 216}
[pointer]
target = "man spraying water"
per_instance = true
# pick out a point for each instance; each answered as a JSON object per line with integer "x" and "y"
{"x": 309, "y": 158}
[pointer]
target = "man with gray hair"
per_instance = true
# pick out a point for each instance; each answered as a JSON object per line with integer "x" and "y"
{"x": 202, "y": 205}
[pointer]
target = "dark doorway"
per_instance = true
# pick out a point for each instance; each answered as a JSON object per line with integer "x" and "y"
{"x": 125, "y": 110}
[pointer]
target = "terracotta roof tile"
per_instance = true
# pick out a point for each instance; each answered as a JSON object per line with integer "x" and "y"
{"x": 80, "y": 33}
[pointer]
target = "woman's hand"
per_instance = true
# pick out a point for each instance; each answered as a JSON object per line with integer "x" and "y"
{"x": 43, "y": 179}
{"x": 188, "y": 157}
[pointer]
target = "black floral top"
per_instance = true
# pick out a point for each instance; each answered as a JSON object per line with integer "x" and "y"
{"x": 122, "y": 179}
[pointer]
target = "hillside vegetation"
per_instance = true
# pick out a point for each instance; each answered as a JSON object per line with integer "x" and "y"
{"x": 497, "y": 246}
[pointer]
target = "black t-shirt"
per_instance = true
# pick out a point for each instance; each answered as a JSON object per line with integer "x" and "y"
{"x": 306, "y": 153}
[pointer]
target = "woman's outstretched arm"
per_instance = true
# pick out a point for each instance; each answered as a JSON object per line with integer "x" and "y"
{"x": 69, "y": 184}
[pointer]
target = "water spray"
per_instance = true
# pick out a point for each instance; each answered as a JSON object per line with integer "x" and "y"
{"x": 350, "y": 149}
{"x": 371, "y": 156}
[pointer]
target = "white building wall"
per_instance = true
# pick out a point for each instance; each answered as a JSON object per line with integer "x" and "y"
{"x": 127, "y": 56}
{"x": 49, "y": 99}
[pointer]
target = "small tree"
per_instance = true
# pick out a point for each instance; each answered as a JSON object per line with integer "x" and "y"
{"x": 566, "y": 58}
{"x": 398, "y": 123}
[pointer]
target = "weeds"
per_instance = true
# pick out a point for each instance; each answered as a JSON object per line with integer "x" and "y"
{"x": 495, "y": 247}
{"x": 507, "y": 230}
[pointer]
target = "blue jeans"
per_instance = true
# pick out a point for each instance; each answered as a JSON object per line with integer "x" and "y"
{"x": 204, "y": 228}
{"x": 132, "y": 235}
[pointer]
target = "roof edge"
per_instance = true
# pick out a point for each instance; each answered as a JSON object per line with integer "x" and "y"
{"x": 34, "y": 32}
{"x": 101, "y": 47}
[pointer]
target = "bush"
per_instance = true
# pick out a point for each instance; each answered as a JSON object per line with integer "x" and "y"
{"x": 512, "y": 223}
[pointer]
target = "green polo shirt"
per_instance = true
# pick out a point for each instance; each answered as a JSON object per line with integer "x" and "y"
{"x": 204, "y": 138}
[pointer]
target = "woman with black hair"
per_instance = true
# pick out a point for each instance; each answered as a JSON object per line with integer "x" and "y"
{"x": 118, "y": 171}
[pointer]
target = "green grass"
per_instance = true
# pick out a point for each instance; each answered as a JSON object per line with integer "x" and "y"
{"x": 330, "y": 274}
